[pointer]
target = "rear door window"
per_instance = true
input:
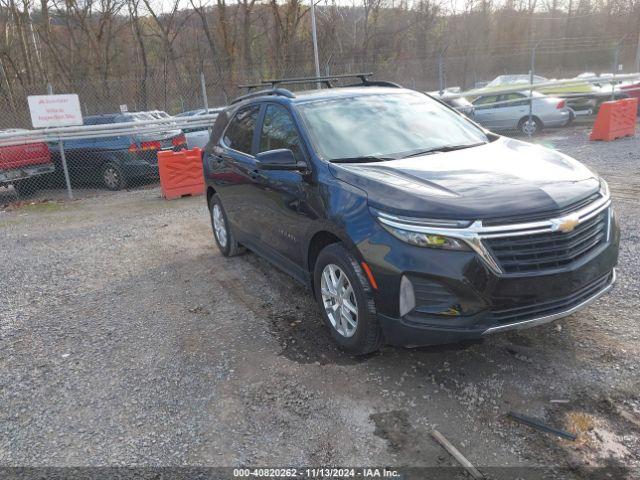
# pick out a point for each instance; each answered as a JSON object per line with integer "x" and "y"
{"x": 514, "y": 100}
{"x": 239, "y": 133}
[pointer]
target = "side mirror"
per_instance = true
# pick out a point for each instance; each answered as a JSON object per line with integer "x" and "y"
{"x": 280, "y": 159}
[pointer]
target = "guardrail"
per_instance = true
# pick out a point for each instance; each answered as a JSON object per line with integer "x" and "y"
{"x": 572, "y": 82}
{"x": 82, "y": 132}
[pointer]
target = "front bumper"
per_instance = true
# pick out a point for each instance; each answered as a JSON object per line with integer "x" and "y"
{"x": 460, "y": 296}
{"x": 407, "y": 332}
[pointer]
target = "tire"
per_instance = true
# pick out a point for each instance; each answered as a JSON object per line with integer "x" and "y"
{"x": 366, "y": 336}
{"x": 112, "y": 176}
{"x": 536, "y": 127}
{"x": 25, "y": 188}
{"x": 225, "y": 240}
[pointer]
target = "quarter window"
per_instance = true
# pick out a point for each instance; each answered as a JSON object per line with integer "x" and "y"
{"x": 279, "y": 131}
{"x": 239, "y": 134}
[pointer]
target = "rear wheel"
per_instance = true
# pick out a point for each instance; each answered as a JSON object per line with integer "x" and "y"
{"x": 222, "y": 233}
{"x": 530, "y": 127}
{"x": 346, "y": 299}
{"x": 112, "y": 176}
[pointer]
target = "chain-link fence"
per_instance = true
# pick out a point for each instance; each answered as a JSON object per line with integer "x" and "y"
{"x": 109, "y": 152}
{"x": 129, "y": 120}
{"x": 133, "y": 119}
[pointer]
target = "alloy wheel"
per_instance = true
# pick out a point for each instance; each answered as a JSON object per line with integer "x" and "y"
{"x": 111, "y": 178}
{"x": 339, "y": 300}
{"x": 529, "y": 127}
{"x": 219, "y": 225}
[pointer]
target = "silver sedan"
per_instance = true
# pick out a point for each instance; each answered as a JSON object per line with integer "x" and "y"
{"x": 510, "y": 111}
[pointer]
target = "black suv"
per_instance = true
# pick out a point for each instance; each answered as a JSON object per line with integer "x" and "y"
{"x": 411, "y": 224}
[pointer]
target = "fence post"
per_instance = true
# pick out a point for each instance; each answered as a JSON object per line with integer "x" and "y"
{"x": 63, "y": 159}
{"x": 49, "y": 89}
{"x": 531, "y": 73}
{"x": 440, "y": 73}
{"x": 638, "y": 54}
{"x": 616, "y": 57}
{"x": 203, "y": 86}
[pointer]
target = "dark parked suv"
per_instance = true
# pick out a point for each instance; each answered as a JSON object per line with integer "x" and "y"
{"x": 411, "y": 224}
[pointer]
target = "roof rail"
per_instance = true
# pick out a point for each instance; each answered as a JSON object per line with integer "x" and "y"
{"x": 276, "y": 90}
{"x": 323, "y": 79}
{"x": 269, "y": 91}
{"x": 376, "y": 83}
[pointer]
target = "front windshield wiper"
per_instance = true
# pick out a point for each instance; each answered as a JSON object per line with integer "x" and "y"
{"x": 362, "y": 159}
{"x": 445, "y": 148}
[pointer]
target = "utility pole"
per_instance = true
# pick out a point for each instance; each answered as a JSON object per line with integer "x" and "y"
{"x": 314, "y": 36}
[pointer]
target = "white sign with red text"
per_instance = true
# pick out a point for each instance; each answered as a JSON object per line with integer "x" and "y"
{"x": 55, "y": 110}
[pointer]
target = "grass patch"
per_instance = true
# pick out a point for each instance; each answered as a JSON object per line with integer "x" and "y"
{"x": 35, "y": 206}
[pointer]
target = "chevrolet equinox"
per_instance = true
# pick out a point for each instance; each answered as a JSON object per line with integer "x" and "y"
{"x": 411, "y": 224}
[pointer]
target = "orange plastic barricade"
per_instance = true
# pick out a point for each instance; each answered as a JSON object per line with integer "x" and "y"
{"x": 615, "y": 120}
{"x": 180, "y": 173}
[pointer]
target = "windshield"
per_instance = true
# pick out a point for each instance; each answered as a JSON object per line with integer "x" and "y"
{"x": 384, "y": 126}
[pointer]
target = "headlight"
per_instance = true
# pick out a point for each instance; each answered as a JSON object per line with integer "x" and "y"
{"x": 426, "y": 239}
{"x": 604, "y": 188}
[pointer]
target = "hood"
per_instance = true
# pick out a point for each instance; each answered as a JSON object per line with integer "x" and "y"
{"x": 504, "y": 178}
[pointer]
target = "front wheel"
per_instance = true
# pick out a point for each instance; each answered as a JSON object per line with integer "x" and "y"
{"x": 346, "y": 298}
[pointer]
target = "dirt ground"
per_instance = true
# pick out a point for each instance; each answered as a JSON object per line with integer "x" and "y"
{"x": 127, "y": 339}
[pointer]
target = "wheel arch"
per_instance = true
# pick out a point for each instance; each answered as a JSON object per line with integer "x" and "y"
{"x": 318, "y": 241}
{"x": 210, "y": 193}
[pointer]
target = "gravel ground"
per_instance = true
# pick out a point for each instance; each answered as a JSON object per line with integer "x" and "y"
{"x": 127, "y": 339}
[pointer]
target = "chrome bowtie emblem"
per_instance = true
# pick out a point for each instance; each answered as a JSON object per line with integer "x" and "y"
{"x": 566, "y": 224}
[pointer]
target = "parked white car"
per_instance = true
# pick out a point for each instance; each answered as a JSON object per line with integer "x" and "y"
{"x": 510, "y": 111}
{"x": 198, "y": 136}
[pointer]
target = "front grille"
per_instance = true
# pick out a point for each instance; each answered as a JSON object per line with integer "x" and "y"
{"x": 549, "y": 250}
{"x": 534, "y": 310}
